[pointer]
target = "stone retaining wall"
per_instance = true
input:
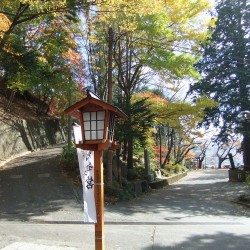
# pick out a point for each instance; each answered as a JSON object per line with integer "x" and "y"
{"x": 175, "y": 178}
{"x": 18, "y": 137}
{"x": 140, "y": 186}
{"x": 164, "y": 181}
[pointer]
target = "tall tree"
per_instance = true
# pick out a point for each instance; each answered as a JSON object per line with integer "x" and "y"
{"x": 225, "y": 149}
{"x": 148, "y": 40}
{"x": 225, "y": 69}
{"x": 202, "y": 147}
{"x": 181, "y": 118}
{"x": 38, "y": 51}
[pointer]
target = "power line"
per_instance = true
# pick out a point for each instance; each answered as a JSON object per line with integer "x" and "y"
{"x": 185, "y": 49}
{"x": 188, "y": 50}
{"x": 182, "y": 49}
{"x": 179, "y": 48}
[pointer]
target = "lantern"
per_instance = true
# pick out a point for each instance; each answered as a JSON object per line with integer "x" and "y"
{"x": 97, "y": 120}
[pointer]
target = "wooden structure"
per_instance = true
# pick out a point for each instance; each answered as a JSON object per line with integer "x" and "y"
{"x": 97, "y": 120}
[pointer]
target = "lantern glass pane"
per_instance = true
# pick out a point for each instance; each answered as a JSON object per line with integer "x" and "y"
{"x": 93, "y": 116}
{"x": 93, "y": 135}
{"x": 100, "y": 125}
{"x": 86, "y": 126}
{"x": 87, "y": 135}
{"x": 100, "y": 134}
{"x": 86, "y": 116}
{"x": 93, "y": 123}
{"x": 101, "y": 115}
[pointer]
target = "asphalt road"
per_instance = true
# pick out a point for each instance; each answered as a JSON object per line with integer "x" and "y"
{"x": 41, "y": 210}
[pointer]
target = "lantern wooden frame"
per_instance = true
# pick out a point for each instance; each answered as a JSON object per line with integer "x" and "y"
{"x": 92, "y": 103}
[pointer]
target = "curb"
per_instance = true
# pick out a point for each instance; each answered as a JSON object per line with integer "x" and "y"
{"x": 162, "y": 182}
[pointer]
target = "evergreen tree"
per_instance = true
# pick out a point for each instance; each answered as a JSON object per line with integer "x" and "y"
{"x": 225, "y": 70}
{"x": 140, "y": 119}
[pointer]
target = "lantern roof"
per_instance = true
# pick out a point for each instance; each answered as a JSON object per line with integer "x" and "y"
{"x": 93, "y": 100}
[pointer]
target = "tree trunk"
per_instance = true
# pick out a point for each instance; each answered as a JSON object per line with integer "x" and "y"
{"x": 110, "y": 61}
{"x": 201, "y": 159}
{"x": 119, "y": 169}
{"x": 10, "y": 101}
{"x": 130, "y": 153}
{"x": 170, "y": 147}
{"x": 231, "y": 161}
{"x": 246, "y": 152}
{"x": 146, "y": 162}
{"x": 109, "y": 168}
{"x": 160, "y": 145}
{"x": 220, "y": 162}
{"x": 110, "y": 100}
{"x": 125, "y": 150}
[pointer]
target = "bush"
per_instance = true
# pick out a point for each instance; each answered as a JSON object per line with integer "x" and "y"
{"x": 126, "y": 193}
{"x": 171, "y": 169}
{"x": 69, "y": 157}
{"x": 140, "y": 172}
{"x": 117, "y": 193}
{"x": 177, "y": 168}
{"x": 165, "y": 173}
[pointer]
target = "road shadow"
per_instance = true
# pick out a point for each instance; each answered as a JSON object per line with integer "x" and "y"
{"x": 208, "y": 241}
{"x": 33, "y": 186}
{"x": 206, "y": 195}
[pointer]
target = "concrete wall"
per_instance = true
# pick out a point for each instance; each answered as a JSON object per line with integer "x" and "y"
{"x": 17, "y": 137}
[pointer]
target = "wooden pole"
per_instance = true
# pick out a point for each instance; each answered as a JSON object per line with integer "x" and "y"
{"x": 99, "y": 200}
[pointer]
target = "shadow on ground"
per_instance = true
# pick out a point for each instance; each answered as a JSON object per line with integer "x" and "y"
{"x": 208, "y": 241}
{"x": 205, "y": 195}
{"x": 33, "y": 185}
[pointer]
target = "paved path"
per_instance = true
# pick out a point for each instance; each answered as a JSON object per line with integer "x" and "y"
{"x": 33, "y": 187}
{"x": 41, "y": 210}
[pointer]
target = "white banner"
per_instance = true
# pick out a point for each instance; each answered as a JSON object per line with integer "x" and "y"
{"x": 77, "y": 133}
{"x": 86, "y": 166}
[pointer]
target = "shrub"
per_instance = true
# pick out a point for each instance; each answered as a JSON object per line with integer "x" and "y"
{"x": 140, "y": 171}
{"x": 171, "y": 169}
{"x": 177, "y": 168}
{"x": 117, "y": 193}
{"x": 165, "y": 173}
{"x": 69, "y": 157}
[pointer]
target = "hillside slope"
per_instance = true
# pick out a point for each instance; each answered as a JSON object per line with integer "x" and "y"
{"x": 22, "y": 130}
{"x": 20, "y": 108}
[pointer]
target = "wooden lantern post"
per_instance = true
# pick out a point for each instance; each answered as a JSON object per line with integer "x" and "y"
{"x": 99, "y": 198}
{"x": 97, "y": 120}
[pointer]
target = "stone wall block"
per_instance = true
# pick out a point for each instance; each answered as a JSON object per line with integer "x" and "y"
{"x": 20, "y": 136}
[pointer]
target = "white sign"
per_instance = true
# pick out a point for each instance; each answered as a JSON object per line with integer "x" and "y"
{"x": 77, "y": 134}
{"x": 86, "y": 166}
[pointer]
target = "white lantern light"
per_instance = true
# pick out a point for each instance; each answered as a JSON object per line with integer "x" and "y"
{"x": 93, "y": 125}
